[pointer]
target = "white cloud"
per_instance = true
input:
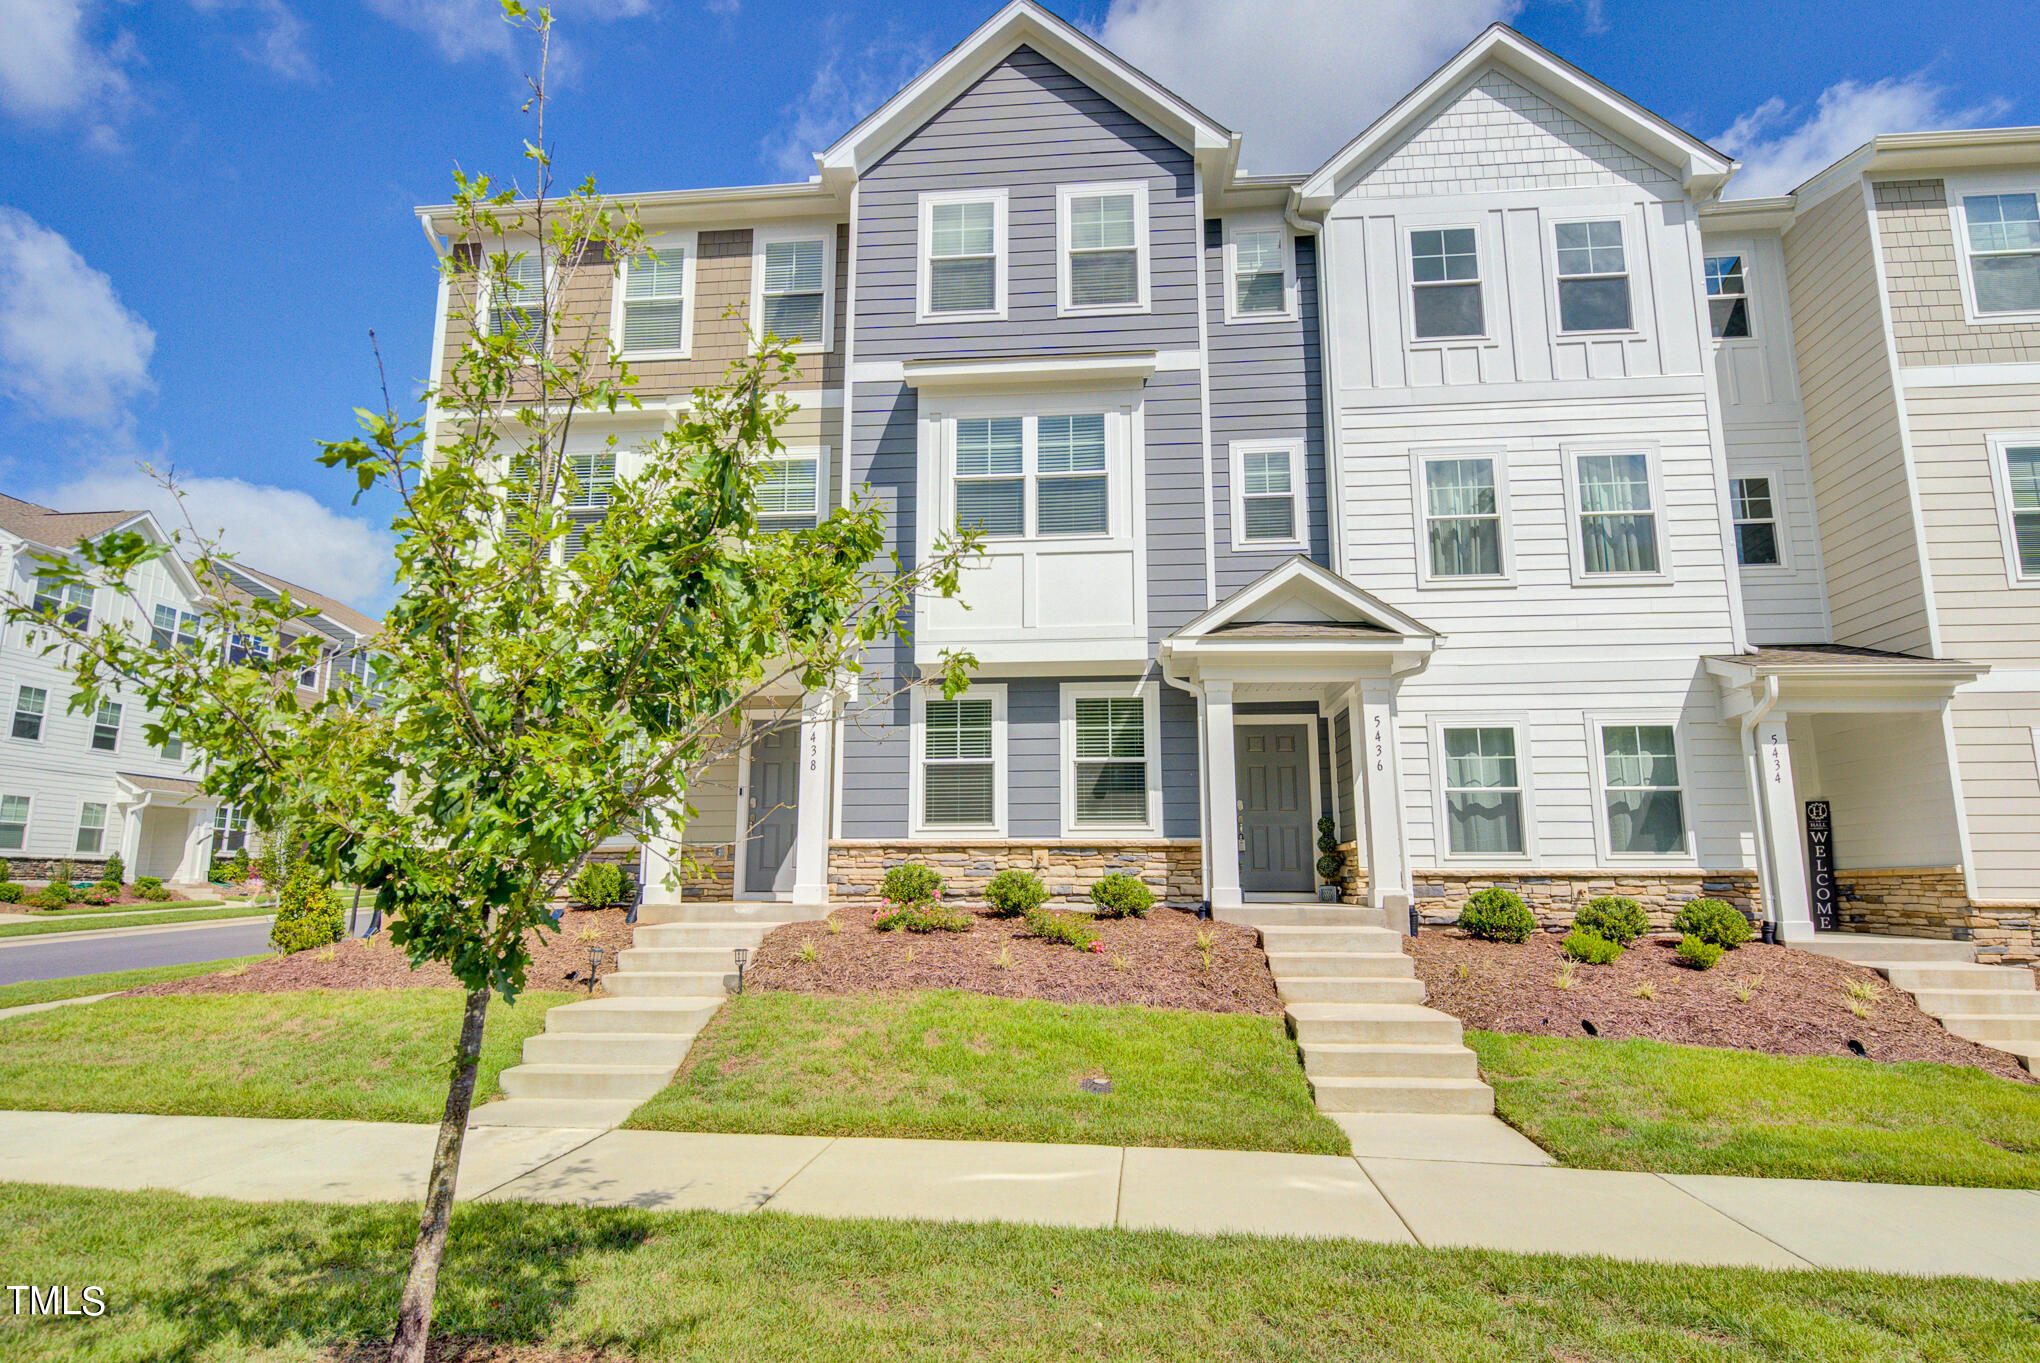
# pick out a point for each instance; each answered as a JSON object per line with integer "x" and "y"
{"x": 69, "y": 348}
{"x": 279, "y": 530}
{"x": 464, "y": 29}
{"x": 1302, "y": 84}
{"x": 846, "y": 86}
{"x": 279, "y": 40}
{"x": 50, "y": 65}
{"x": 1782, "y": 146}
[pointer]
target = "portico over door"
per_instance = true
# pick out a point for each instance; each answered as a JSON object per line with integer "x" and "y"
{"x": 1274, "y": 783}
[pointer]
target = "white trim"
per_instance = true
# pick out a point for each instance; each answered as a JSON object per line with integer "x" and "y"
{"x": 1149, "y": 694}
{"x": 685, "y": 241}
{"x": 1999, "y": 444}
{"x": 1048, "y": 373}
{"x": 917, "y": 826}
{"x": 1969, "y": 375}
{"x": 1407, "y": 226}
{"x": 1739, "y": 249}
{"x": 1598, "y": 769}
{"x": 1204, "y": 437}
{"x": 821, "y": 455}
{"x": 78, "y": 828}
{"x": 924, "y": 239}
{"x": 1441, "y": 841}
{"x": 1575, "y": 540}
{"x": 1229, "y": 268}
{"x": 1299, "y": 499}
{"x": 1955, "y": 188}
{"x": 1776, "y": 474}
{"x": 1138, "y": 189}
{"x": 763, "y": 235}
{"x": 1421, "y": 455}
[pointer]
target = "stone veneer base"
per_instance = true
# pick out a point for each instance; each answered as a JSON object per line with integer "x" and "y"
{"x": 1555, "y": 896}
{"x": 1933, "y": 901}
{"x": 1172, "y": 867}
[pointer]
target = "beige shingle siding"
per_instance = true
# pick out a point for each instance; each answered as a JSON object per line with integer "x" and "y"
{"x": 1876, "y": 588}
{"x": 1922, "y": 273}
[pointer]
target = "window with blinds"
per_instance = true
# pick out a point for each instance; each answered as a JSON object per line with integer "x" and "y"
{"x": 517, "y": 300}
{"x": 1267, "y": 495}
{"x": 1060, "y": 458}
{"x": 1104, "y": 266}
{"x": 991, "y": 476}
{"x": 2022, "y": 486}
{"x": 655, "y": 300}
{"x": 106, "y": 726}
{"x": 958, "y": 767}
{"x": 787, "y": 491}
{"x": 588, "y": 494}
{"x": 1618, "y": 526}
{"x": 1462, "y": 517}
{"x": 793, "y": 302}
{"x": 963, "y": 260}
{"x": 1070, "y": 494}
{"x": 1110, "y": 755}
{"x": 1258, "y": 284}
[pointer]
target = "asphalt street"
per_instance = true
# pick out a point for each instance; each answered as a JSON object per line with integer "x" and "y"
{"x": 60, "y": 955}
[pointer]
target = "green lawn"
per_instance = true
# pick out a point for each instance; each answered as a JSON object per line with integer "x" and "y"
{"x": 77, "y": 986}
{"x": 203, "y": 1281}
{"x": 961, "y": 1066}
{"x": 144, "y": 918}
{"x": 1701, "y": 1110}
{"x": 161, "y": 906}
{"x": 366, "y": 1055}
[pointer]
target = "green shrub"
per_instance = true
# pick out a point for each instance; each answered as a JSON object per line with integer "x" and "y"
{"x": 910, "y": 883}
{"x": 239, "y": 866}
{"x": 1330, "y": 860}
{"x": 1698, "y": 953}
{"x": 43, "y": 899}
{"x": 1591, "y": 947}
{"x": 1012, "y": 893}
{"x": 1067, "y": 928}
{"x": 1713, "y": 921}
{"x": 152, "y": 892}
{"x": 6, "y": 871}
{"x": 61, "y": 892}
{"x": 600, "y": 884}
{"x": 101, "y": 895}
{"x": 148, "y": 882}
{"x": 1615, "y": 917}
{"x": 308, "y": 913}
{"x": 115, "y": 872}
{"x": 923, "y": 917}
{"x": 1497, "y": 915}
{"x": 1120, "y": 895}
{"x": 66, "y": 873}
{"x": 10, "y": 893}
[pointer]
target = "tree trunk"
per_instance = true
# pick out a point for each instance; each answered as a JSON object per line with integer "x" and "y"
{"x": 414, "y": 1315}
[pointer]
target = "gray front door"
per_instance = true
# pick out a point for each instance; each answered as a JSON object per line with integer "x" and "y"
{"x": 769, "y": 812}
{"x": 1274, "y": 789}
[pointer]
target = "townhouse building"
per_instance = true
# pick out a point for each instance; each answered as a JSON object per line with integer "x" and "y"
{"x": 1495, "y": 491}
{"x": 77, "y": 786}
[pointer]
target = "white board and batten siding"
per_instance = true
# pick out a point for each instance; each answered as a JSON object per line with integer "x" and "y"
{"x": 1543, "y": 648}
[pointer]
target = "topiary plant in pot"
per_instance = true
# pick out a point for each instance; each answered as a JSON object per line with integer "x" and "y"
{"x": 1331, "y": 862}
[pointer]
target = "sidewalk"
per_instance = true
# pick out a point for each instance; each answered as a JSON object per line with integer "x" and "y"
{"x": 1766, "y": 1223}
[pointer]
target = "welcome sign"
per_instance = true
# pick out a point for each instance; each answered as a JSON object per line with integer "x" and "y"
{"x": 1820, "y": 865}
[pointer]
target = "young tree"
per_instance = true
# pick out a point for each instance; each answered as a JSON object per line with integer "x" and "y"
{"x": 555, "y": 670}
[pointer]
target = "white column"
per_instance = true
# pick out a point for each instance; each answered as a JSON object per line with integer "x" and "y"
{"x": 811, "y": 809}
{"x": 1221, "y": 779}
{"x": 659, "y": 853}
{"x": 1370, "y": 712}
{"x": 131, "y": 839}
{"x": 195, "y": 867}
{"x": 1778, "y": 801}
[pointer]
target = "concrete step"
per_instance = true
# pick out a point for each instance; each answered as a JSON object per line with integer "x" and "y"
{"x": 1395, "y": 1093}
{"x": 1351, "y": 1059}
{"x": 687, "y": 960}
{"x": 1993, "y": 1028}
{"x": 1375, "y": 1022}
{"x": 1287, "y": 965}
{"x": 1946, "y": 1002}
{"x": 1862, "y": 948}
{"x": 637, "y": 1082}
{"x": 1383, "y": 940}
{"x": 1305, "y": 915}
{"x": 607, "y": 1048}
{"x": 662, "y": 984}
{"x": 694, "y": 936}
{"x": 640, "y": 1015}
{"x": 2028, "y": 1052}
{"x": 767, "y": 913}
{"x": 1914, "y": 978}
{"x": 553, "y": 1112}
{"x": 1348, "y": 989}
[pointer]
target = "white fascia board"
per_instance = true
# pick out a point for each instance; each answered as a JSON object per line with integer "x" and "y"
{"x": 740, "y": 205}
{"x": 1361, "y": 603}
{"x": 1031, "y": 372}
{"x": 1747, "y": 215}
{"x": 1700, "y": 168}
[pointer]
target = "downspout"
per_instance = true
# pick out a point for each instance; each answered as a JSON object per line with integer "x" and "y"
{"x": 1753, "y": 763}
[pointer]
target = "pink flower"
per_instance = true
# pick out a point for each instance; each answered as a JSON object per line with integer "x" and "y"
{"x": 1097, "y": 948}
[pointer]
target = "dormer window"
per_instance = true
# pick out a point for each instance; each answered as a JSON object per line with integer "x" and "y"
{"x": 1104, "y": 247}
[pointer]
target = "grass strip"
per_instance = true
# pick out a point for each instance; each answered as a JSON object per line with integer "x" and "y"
{"x": 112, "y": 982}
{"x": 161, "y": 906}
{"x": 140, "y": 919}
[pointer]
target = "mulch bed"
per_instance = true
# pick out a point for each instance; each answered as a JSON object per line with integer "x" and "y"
{"x": 559, "y": 961}
{"x": 1164, "y": 969}
{"x": 1799, "y": 1003}
{"x": 127, "y": 895}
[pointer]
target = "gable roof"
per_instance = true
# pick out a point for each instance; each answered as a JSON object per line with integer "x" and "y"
{"x": 339, "y": 612}
{"x": 1299, "y": 579}
{"x": 1700, "y": 168}
{"x": 57, "y": 529}
{"x": 1026, "y": 24}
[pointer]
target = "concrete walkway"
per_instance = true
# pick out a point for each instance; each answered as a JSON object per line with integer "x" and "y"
{"x": 1766, "y": 1223}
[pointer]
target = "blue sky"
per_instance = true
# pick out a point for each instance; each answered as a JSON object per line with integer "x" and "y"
{"x": 207, "y": 203}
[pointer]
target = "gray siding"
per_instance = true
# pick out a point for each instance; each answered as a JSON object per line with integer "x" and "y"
{"x": 1266, "y": 384}
{"x": 1342, "y": 772}
{"x": 1177, "y": 591}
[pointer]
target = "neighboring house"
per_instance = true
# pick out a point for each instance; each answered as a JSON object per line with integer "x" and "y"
{"x": 77, "y": 786}
{"x": 1493, "y": 490}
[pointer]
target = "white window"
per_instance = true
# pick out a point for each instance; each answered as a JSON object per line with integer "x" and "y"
{"x": 2002, "y": 232}
{"x": 960, "y": 762}
{"x": 1756, "y": 523}
{"x": 174, "y": 628}
{"x": 1484, "y": 813}
{"x": 13, "y": 822}
{"x": 1111, "y": 744}
{"x": 587, "y": 495}
{"x": 1593, "y": 277}
{"x": 106, "y": 727}
{"x": 1268, "y": 507}
{"x": 1463, "y": 525}
{"x": 2015, "y": 471}
{"x": 1728, "y": 298}
{"x": 1641, "y": 792}
{"x": 29, "y": 704}
{"x": 1262, "y": 274}
{"x": 1062, "y": 457}
{"x": 516, "y": 301}
{"x": 1616, "y": 499}
{"x": 963, "y": 256}
{"x": 242, "y": 648}
{"x": 654, "y": 308}
{"x": 789, "y": 488}
{"x": 91, "y": 827}
{"x": 69, "y": 601}
{"x": 230, "y": 830}
{"x": 1445, "y": 299}
{"x": 1102, "y": 264}
{"x": 173, "y": 748}
{"x": 791, "y": 296}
